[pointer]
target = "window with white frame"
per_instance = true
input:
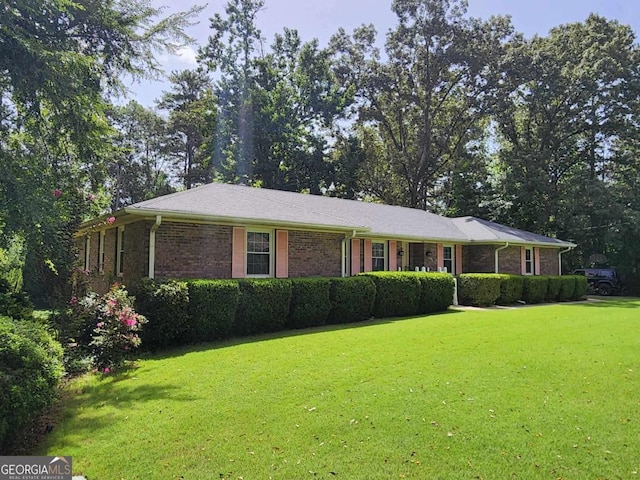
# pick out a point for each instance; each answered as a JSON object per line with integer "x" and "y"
{"x": 447, "y": 258}
{"x": 378, "y": 251}
{"x": 101, "y": 236}
{"x": 259, "y": 253}
{"x": 528, "y": 261}
{"x": 120, "y": 251}
{"x": 87, "y": 252}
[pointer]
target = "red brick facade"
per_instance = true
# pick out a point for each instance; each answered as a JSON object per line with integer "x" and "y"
{"x": 194, "y": 250}
{"x": 315, "y": 254}
{"x": 189, "y": 250}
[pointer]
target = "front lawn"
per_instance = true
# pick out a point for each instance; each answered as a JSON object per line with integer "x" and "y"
{"x": 542, "y": 392}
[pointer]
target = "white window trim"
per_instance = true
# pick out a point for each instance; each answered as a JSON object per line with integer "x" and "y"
{"x": 453, "y": 257}
{"x": 119, "y": 251}
{"x": 87, "y": 252}
{"x": 101, "y": 239}
{"x": 531, "y": 261}
{"x": 271, "y": 252}
{"x": 385, "y": 245}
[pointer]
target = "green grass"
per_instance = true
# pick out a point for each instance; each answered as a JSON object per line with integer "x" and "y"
{"x": 542, "y": 392}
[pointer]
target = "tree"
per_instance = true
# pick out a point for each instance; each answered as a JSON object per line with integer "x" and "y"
{"x": 297, "y": 102}
{"x": 230, "y": 51}
{"x": 139, "y": 166}
{"x": 565, "y": 101}
{"x": 422, "y": 105}
{"x": 59, "y": 60}
{"x": 191, "y": 106}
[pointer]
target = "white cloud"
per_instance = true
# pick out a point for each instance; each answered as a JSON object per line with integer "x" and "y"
{"x": 187, "y": 56}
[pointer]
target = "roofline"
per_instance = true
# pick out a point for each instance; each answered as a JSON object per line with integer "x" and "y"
{"x": 125, "y": 214}
{"x": 148, "y": 213}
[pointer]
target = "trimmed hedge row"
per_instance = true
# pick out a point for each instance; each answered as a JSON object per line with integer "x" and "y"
{"x": 30, "y": 369}
{"x": 502, "y": 289}
{"x": 206, "y": 310}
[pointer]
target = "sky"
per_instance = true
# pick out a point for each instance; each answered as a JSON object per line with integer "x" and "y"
{"x": 322, "y": 18}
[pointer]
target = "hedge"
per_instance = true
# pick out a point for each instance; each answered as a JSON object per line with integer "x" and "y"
{"x": 263, "y": 307}
{"x": 554, "y": 285}
{"x": 165, "y": 304}
{"x": 510, "y": 288}
{"x": 567, "y": 288}
{"x": 213, "y": 306}
{"x": 310, "y": 302}
{"x": 397, "y": 294}
{"x": 352, "y": 299}
{"x": 436, "y": 291}
{"x": 30, "y": 370}
{"x": 582, "y": 285}
{"x": 534, "y": 288}
{"x": 478, "y": 289}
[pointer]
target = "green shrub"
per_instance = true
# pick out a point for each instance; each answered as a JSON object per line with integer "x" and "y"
{"x": 264, "y": 305}
{"x": 478, "y": 289}
{"x": 534, "y": 288}
{"x": 554, "y": 286}
{"x": 352, "y": 299}
{"x": 436, "y": 291}
{"x": 213, "y": 306}
{"x": 30, "y": 370}
{"x": 582, "y": 285}
{"x": 510, "y": 289}
{"x": 14, "y": 304}
{"x": 397, "y": 294}
{"x": 310, "y": 302}
{"x": 567, "y": 288}
{"x": 166, "y": 306}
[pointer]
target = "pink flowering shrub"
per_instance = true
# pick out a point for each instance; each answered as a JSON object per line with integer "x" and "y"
{"x": 116, "y": 330}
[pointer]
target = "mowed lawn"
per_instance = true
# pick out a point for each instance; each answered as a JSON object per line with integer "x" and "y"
{"x": 542, "y": 392}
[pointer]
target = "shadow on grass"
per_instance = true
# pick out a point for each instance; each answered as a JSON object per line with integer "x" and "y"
{"x": 96, "y": 403}
{"x": 265, "y": 337}
{"x": 607, "y": 302}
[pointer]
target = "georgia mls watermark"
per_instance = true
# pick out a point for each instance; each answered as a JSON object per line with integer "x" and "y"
{"x": 35, "y": 468}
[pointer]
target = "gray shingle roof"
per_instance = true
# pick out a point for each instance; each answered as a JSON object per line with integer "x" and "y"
{"x": 241, "y": 204}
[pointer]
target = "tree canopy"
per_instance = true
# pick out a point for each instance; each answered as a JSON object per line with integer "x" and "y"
{"x": 447, "y": 113}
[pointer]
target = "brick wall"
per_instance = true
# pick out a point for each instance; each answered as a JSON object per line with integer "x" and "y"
{"x": 549, "y": 261}
{"x": 315, "y": 254}
{"x": 418, "y": 257}
{"x": 136, "y": 252}
{"x": 478, "y": 258}
{"x": 186, "y": 250}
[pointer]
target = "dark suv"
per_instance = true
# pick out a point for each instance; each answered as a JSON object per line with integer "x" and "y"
{"x": 602, "y": 281}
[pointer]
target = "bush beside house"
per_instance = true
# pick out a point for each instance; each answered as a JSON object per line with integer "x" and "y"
{"x": 478, "y": 289}
{"x": 30, "y": 369}
{"x": 352, "y": 299}
{"x": 397, "y": 294}
{"x": 510, "y": 288}
{"x": 212, "y": 307}
{"x": 310, "y": 302}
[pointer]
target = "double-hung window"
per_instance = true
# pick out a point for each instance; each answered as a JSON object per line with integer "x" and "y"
{"x": 447, "y": 258}
{"x": 378, "y": 256}
{"x": 120, "y": 251}
{"x": 259, "y": 253}
{"x": 528, "y": 261}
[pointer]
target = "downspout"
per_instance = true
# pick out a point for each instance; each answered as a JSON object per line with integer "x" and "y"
{"x": 495, "y": 254}
{"x": 152, "y": 246}
{"x": 560, "y": 259}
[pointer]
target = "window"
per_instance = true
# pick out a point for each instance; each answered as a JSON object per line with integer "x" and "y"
{"x": 377, "y": 256}
{"x": 447, "y": 258}
{"x": 259, "y": 253}
{"x": 87, "y": 252}
{"x": 120, "y": 251}
{"x": 101, "y": 251}
{"x": 528, "y": 261}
